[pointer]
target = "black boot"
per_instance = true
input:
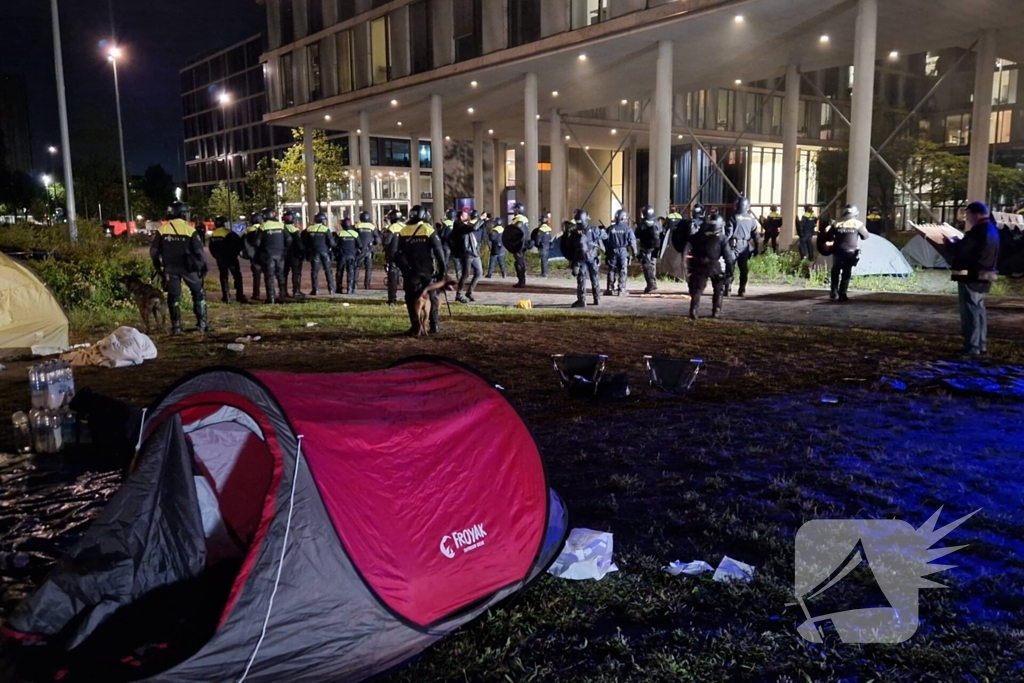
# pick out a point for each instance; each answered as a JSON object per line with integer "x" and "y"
{"x": 225, "y": 295}
{"x": 202, "y": 322}
{"x": 174, "y": 309}
{"x": 241, "y": 298}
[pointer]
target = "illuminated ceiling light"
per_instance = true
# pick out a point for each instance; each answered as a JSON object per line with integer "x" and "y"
{"x": 679, "y": 137}
{"x": 538, "y": 117}
{"x": 583, "y": 58}
{"x": 894, "y": 55}
{"x": 568, "y": 137}
{"x": 522, "y": 144}
{"x": 327, "y": 117}
{"x": 359, "y": 131}
{"x": 399, "y": 124}
{"x": 554, "y": 93}
{"x": 739, "y": 19}
{"x": 448, "y": 138}
{"x": 471, "y": 110}
{"x": 587, "y": 147}
{"x": 739, "y": 81}
{"x": 224, "y": 98}
{"x": 490, "y": 131}
{"x": 625, "y": 101}
{"x": 394, "y": 103}
{"x": 823, "y": 39}
{"x": 473, "y": 84}
{"x": 615, "y": 131}
{"x": 114, "y": 52}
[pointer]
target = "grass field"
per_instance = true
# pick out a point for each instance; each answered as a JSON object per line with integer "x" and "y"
{"x": 734, "y": 468}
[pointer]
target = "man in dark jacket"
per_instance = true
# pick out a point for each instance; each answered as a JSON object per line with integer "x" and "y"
{"x": 177, "y": 254}
{"x": 709, "y": 252}
{"x": 348, "y": 256}
{"x": 649, "y": 236}
{"x": 844, "y": 238}
{"x": 744, "y": 233}
{"x": 319, "y": 245}
{"x": 582, "y": 245}
{"x": 295, "y": 256}
{"x": 541, "y": 239}
{"x": 516, "y": 239}
{"x": 369, "y": 238}
{"x": 445, "y": 230}
{"x": 274, "y": 242}
{"x": 621, "y": 245}
{"x": 466, "y": 248}
{"x": 494, "y": 237}
{"x": 390, "y": 238}
{"x": 225, "y": 246}
{"x": 805, "y": 228}
{"x": 250, "y": 248}
{"x": 973, "y": 263}
{"x": 773, "y": 229}
{"x": 417, "y": 251}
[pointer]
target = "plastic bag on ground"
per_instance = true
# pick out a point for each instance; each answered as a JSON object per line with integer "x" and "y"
{"x": 587, "y": 555}
{"x": 733, "y": 570}
{"x": 125, "y": 347}
{"x": 695, "y": 568}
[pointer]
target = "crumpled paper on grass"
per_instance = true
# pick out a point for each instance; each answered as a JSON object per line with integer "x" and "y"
{"x": 728, "y": 569}
{"x": 587, "y": 555}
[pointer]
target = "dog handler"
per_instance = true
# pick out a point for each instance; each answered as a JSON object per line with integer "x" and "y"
{"x": 177, "y": 254}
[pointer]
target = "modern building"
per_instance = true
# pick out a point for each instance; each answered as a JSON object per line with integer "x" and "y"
{"x": 224, "y": 101}
{"x": 15, "y": 132}
{"x": 602, "y": 103}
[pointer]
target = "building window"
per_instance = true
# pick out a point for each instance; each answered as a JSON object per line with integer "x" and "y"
{"x": 523, "y": 22}
{"x": 586, "y": 12}
{"x": 931, "y": 64}
{"x": 380, "y": 50}
{"x": 346, "y": 74}
{"x": 467, "y": 29}
{"x": 315, "y": 89}
{"x": 286, "y": 20}
{"x": 425, "y": 156}
{"x": 726, "y": 109}
{"x": 287, "y": 81}
{"x": 999, "y": 130}
{"x": 315, "y": 16}
{"x": 421, "y": 41}
{"x": 696, "y": 108}
{"x": 510, "y": 167}
{"x": 958, "y": 130}
{"x": 346, "y": 9}
{"x": 1004, "y": 82}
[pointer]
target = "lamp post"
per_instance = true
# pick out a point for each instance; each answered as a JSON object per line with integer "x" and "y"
{"x": 113, "y": 54}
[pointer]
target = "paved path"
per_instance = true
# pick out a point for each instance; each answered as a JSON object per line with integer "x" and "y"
{"x": 906, "y": 313}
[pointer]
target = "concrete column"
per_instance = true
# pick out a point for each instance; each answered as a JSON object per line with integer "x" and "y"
{"x": 500, "y": 180}
{"x": 865, "y": 40}
{"x": 531, "y": 158}
{"x": 977, "y": 179}
{"x": 353, "y": 149}
{"x": 630, "y": 180}
{"x": 478, "y": 164}
{"x": 661, "y": 168}
{"x": 437, "y": 155}
{"x": 695, "y": 170}
{"x": 558, "y": 171}
{"x": 364, "y": 161}
{"x": 790, "y": 155}
{"x": 415, "y": 191}
{"x": 652, "y": 156}
{"x": 312, "y": 208}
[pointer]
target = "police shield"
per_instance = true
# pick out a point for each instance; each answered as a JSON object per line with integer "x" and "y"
{"x": 514, "y": 239}
{"x": 680, "y": 235}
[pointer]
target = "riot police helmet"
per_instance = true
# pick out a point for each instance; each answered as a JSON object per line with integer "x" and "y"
{"x": 416, "y": 214}
{"x": 622, "y": 216}
{"x": 809, "y": 209}
{"x": 545, "y": 217}
{"x": 716, "y": 223}
{"x": 474, "y": 215}
{"x": 742, "y": 205}
{"x": 256, "y": 218}
{"x": 320, "y": 218}
{"x": 269, "y": 215}
{"x": 581, "y": 217}
{"x": 220, "y": 222}
{"x": 451, "y": 214}
{"x": 851, "y": 211}
{"x": 518, "y": 208}
{"x": 648, "y": 213}
{"x": 177, "y": 210}
{"x": 697, "y": 211}
{"x": 365, "y": 217}
{"x": 346, "y": 223}
{"x": 288, "y": 218}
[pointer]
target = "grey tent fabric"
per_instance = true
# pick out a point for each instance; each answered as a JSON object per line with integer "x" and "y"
{"x": 921, "y": 254}
{"x": 879, "y": 256}
{"x": 117, "y": 562}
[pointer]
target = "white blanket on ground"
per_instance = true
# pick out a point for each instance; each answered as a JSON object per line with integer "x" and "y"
{"x": 125, "y": 347}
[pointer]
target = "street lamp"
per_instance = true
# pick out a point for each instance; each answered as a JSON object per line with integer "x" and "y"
{"x": 113, "y": 54}
{"x": 51, "y": 149}
{"x": 47, "y": 183}
{"x": 224, "y": 99}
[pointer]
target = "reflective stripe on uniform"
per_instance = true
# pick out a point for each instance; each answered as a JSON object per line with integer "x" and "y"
{"x": 417, "y": 230}
{"x": 178, "y": 227}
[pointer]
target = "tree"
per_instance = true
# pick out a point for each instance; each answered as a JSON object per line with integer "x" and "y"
{"x": 328, "y": 167}
{"x": 157, "y": 186}
{"x": 223, "y": 202}
{"x": 98, "y": 187}
{"x": 1005, "y": 185}
{"x": 261, "y": 186}
{"x": 948, "y": 177}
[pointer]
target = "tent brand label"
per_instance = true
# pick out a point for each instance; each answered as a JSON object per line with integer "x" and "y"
{"x": 466, "y": 541}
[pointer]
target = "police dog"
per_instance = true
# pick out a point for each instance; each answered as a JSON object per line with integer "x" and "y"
{"x": 150, "y": 300}
{"x": 422, "y": 303}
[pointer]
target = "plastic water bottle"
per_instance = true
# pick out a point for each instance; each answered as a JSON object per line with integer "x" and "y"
{"x": 36, "y": 419}
{"x": 22, "y": 432}
{"x": 14, "y": 560}
{"x": 37, "y": 386}
{"x": 68, "y": 428}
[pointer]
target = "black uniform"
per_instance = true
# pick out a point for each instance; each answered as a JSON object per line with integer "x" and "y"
{"x": 875, "y": 223}
{"x": 390, "y": 239}
{"x": 516, "y": 239}
{"x": 177, "y": 254}
{"x": 541, "y": 239}
{"x": 445, "y": 232}
{"x": 319, "y": 245}
{"x": 621, "y": 244}
{"x": 274, "y": 243}
{"x": 772, "y": 230}
{"x": 225, "y": 247}
{"x": 418, "y": 253}
{"x": 709, "y": 252}
{"x": 743, "y": 230}
{"x": 296, "y": 256}
{"x": 805, "y": 228}
{"x": 368, "y": 240}
{"x": 845, "y": 237}
{"x": 250, "y": 251}
{"x": 348, "y": 245}
{"x": 582, "y": 246}
{"x": 466, "y": 249}
{"x": 497, "y": 250}
{"x": 649, "y": 236}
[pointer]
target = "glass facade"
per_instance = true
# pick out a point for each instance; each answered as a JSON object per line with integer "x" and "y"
{"x": 467, "y": 29}
{"x": 380, "y": 50}
{"x": 583, "y": 13}
{"x": 523, "y": 22}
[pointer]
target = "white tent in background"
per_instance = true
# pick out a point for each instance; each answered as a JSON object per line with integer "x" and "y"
{"x": 921, "y": 254}
{"x": 879, "y": 256}
{"x": 29, "y": 315}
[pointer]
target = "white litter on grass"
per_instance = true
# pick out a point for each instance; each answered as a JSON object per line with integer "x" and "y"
{"x": 236, "y": 348}
{"x": 346, "y": 305}
{"x": 312, "y": 324}
{"x": 587, "y": 555}
{"x": 695, "y": 568}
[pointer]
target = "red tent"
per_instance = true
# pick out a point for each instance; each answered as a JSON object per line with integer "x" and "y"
{"x": 360, "y": 517}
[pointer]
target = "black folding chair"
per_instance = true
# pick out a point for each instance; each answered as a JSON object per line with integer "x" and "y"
{"x": 673, "y": 375}
{"x": 580, "y": 373}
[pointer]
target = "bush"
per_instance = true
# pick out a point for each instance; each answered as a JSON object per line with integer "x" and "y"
{"x": 782, "y": 267}
{"x": 82, "y": 275}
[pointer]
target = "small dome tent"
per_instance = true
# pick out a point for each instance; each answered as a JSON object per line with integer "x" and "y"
{"x": 29, "y": 315}
{"x": 920, "y": 253}
{"x": 360, "y": 517}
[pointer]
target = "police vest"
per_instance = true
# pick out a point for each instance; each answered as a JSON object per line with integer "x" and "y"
{"x": 219, "y": 233}
{"x": 520, "y": 219}
{"x": 674, "y": 216}
{"x": 544, "y": 227}
{"x": 176, "y": 228}
{"x": 810, "y": 216}
{"x": 498, "y": 229}
{"x": 394, "y": 228}
{"x": 448, "y": 223}
{"x": 272, "y": 226}
{"x": 317, "y": 229}
{"x": 348, "y": 235}
{"x": 874, "y": 217}
{"x": 368, "y": 226}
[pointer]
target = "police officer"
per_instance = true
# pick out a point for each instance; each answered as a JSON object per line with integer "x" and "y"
{"x": 875, "y": 223}
{"x": 845, "y": 238}
{"x": 348, "y": 241}
{"x": 418, "y": 252}
{"x": 445, "y": 229}
{"x": 805, "y": 227}
{"x": 494, "y": 237}
{"x": 274, "y": 244}
{"x": 743, "y": 230}
{"x": 319, "y": 245}
{"x": 649, "y": 236}
{"x": 773, "y": 228}
{"x": 516, "y": 240}
{"x": 296, "y": 256}
{"x": 681, "y": 233}
{"x": 709, "y": 253}
{"x": 369, "y": 238}
{"x": 673, "y": 219}
{"x": 390, "y": 237}
{"x": 177, "y": 254}
{"x": 225, "y": 246}
{"x": 583, "y": 246}
{"x": 621, "y": 245}
{"x": 541, "y": 238}
{"x": 250, "y": 249}
{"x": 466, "y": 247}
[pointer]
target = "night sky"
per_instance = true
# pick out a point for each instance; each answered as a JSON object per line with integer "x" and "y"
{"x": 158, "y": 36}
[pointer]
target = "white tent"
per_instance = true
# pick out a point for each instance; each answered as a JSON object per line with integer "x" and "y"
{"x": 879, "y": 256}
{"x": 921, "y": 254}
{"x": 29, "y": 315}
